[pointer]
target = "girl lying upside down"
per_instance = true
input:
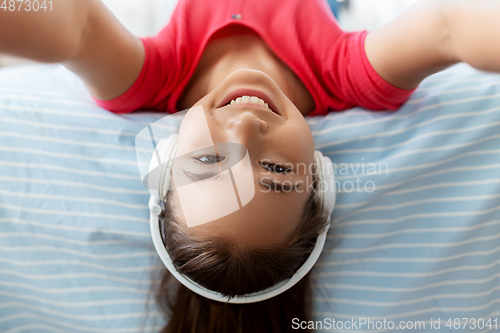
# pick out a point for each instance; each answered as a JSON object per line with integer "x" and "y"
{"x": 257, "y": 68}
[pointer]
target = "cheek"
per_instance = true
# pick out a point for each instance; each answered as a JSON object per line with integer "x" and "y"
{"x": 194, "y": 132}
{"x": 299, "y": 139}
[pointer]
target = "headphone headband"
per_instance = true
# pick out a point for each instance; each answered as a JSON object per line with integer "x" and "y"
{"x": 325, "y": 191}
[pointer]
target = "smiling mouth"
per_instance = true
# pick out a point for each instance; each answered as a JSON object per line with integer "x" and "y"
{"x": 250, "y": 97}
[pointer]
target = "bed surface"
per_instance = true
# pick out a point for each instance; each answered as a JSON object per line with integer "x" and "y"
{"x": 420, "y": 240}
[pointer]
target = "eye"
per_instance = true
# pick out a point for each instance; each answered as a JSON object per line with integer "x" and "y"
{"x": 209, "y": 159}
{"x": 276, "y": 168}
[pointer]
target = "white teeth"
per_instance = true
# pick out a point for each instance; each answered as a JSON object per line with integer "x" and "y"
{"x": 250, "y": 99}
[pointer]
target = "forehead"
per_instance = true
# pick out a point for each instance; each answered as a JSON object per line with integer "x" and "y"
{"x": 267, "y": 221}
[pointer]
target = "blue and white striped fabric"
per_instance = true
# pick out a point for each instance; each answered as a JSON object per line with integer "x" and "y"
{"x": 416, "y": 231}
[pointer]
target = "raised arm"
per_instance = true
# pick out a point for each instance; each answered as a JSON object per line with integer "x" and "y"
{"x": 83, "y": 35}
{"x": 433, "y": 35}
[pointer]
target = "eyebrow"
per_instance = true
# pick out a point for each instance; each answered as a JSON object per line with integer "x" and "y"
{"x": 270, "y": 184}
{"x": 266, "y": 183}
{"x": 201, "y": 176}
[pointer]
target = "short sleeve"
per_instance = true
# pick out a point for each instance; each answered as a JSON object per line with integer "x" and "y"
{"x": 142, "y": 95}
{"x": 351, "y": 77}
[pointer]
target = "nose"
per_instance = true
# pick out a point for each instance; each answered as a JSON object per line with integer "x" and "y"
{"x": 246, "y": 126}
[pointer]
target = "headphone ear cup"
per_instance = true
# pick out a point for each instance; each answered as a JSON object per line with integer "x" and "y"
{"x": 328, "y": 187}
{"x": 165, "y": 150}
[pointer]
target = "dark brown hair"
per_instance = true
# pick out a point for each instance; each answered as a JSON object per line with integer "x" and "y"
{"x": 231, "y": 269}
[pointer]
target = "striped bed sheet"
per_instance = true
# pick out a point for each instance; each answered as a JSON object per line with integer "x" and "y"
{"x": 416, "y": 227}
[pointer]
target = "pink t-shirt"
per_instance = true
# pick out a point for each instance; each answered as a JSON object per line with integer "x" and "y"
{"x": 304, "y": 34}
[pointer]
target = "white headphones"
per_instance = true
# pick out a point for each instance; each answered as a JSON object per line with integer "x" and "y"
{"x": 326, "y": 192}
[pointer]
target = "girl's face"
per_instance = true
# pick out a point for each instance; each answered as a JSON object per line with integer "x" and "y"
{"x": 280, "y": 149}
